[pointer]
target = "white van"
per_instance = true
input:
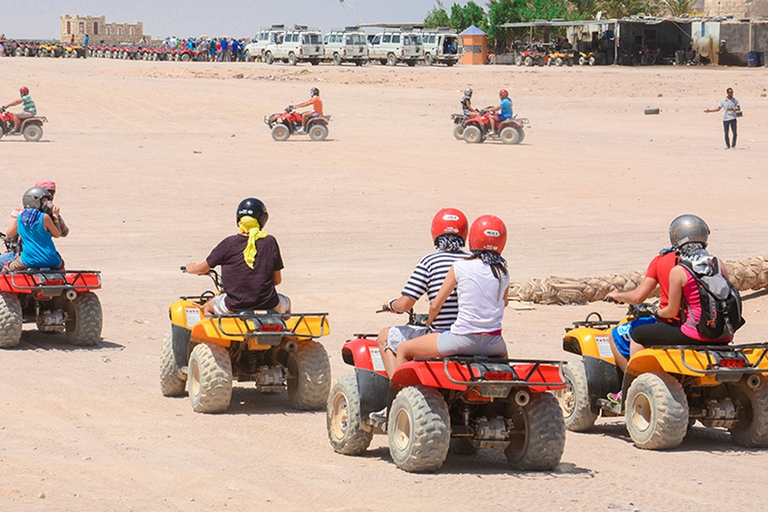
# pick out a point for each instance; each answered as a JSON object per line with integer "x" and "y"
{"x": 392, "y": 46}
{"x": 348, "y": 45}
{"x": 255, "y": 49}
{"x": 441, "y": 45}
{"x": 299, "y": 44}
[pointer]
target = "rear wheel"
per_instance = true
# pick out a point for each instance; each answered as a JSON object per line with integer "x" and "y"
{"x": 519, "y": 60}
{"x": 751, "y": 428}
{"x": 171, "y": 383}
{"x": 210, "y": 378}
{"x": 428, "y": 60}
{"x": 10, "y": 320}
{"x": 559, "y": 61}
{"x": 280, "y": 132}
{"x": 337, "y": 59}
{"x": 656, "y": 412}
{"x": 391, "y": 60}
{"x": 268, "y": 58}
{"x": 309, "y": 376}
{"x": 343, "y": 419}
{"x": 536, "y": 434}
{"x": 419, "y": 429}
{"x": 472, "y": 135}
{"x": 529, "y": 61}
{"x": 292, "y": 60}
{"x": 184, "y": 57}
{"x": 32, "y": 132}
{"x": 574, "y": 399}
{"x": 458, "y": 131}
{"x": 84, "y": 320}
{"x": 318, "y": 132}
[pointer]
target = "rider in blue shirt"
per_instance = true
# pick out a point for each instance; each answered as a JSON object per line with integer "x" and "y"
{"x": 504, "y": 111}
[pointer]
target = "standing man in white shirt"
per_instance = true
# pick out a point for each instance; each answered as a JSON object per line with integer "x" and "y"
{"x": 730, "y": 106}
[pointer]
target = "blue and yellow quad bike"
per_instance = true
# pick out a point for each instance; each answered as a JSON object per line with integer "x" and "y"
{"x": 666, "y": 389}
{"x": 204, "y": 355}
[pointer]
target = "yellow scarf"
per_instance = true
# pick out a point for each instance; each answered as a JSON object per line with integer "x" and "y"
{"x": 251, "y": 226}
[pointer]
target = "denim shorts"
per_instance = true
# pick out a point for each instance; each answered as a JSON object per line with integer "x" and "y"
{"x": 621, "y": 334}
{"x": 450, "y": 344}
{"x": 401, "y": 333}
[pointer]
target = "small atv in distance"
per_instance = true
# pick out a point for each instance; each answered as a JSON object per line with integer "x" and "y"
{"x": 666, "y": 388}
{"x": 478, "y": 128}
{"x": 289, "y": 122}
{"x": 55, "y": 300}
{"x": 435, "y": 403}
{"x": 277, "y": 351}
{"x": 31, "y": 128}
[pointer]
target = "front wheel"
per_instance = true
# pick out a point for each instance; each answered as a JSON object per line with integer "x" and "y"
{"x": 391, "y": 60}
{"x": 309, "y": 377}
{"x": 10, "y": 320}
{"x": 318, "y": 132}
{"x": 519, "y": 60}
{"x": 751, "y": 428}
{"x": 32, "y": 132}
{"x": 511, "y": 135}
{"x": 536, "y": 434}
{"x": 171, "y": 382}
{"x": 292, "y": 60}
{"x": 210, "y": 378}
{"x": 84, "y": 320}
{"x": 343, "y": 418}
{"x": 473, "y": 135}
{"x": 428, "y": 60}
{"x": 268, "y": 58}
{"x": 336, "y": 59}
{"x": 419, "y": 429}
{"x": 458, "y": 132}
{"x": 574, "y": 399}
{"x": 656, "y": 412}
{"x": 280, "y": 132}
{"x": 529, "y": 61}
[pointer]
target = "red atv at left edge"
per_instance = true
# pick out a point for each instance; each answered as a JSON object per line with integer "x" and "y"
{"x": 434, "y": 404}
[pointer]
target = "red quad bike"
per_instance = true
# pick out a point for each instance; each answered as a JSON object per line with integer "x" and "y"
{"x": 284, "y": 124}
{"x": 439, "y": 403}
{"x": 478, "y": 128}
{"x": 56, "y": 300}
{"x": 31, "y": 128}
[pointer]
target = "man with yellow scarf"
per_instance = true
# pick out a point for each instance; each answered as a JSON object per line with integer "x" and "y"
{"x": 250, "y": 266}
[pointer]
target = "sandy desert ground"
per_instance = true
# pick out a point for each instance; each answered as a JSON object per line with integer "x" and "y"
{"x": 151, "y": 160}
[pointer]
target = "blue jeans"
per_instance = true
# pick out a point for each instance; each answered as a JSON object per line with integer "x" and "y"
{"x": 6, "y": 258}
{"x": 732, "y": 124}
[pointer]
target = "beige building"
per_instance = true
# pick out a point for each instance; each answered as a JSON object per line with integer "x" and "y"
{"x": 99, "y": 30}
{"x": 738, "y": 8}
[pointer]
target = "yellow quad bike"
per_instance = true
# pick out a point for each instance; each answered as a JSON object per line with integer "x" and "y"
{"x": 204, "y": 355}
{"x": 666, "y": 389}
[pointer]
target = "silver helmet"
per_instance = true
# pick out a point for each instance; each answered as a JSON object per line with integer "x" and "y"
{"x": 468, "y": 92}
{"x": 686, "y": 229}
{"x": 33, "y": 198}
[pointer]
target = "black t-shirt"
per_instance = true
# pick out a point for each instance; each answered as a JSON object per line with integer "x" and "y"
{"x": 465, "y": 103}
{"x": 247, "y": 288}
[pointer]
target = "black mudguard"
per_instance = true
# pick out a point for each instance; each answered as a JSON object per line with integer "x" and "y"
{"x": 181, "y": 337}
{"x": 602, "y": 378}
{"x": 374, "y": 391}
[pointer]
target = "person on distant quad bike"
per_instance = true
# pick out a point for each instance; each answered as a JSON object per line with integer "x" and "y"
{"x": 49, "y": 208}
{"x": 29, "y": 108}
{"x": 466, "y": 103}
{"x": 251, "y": 265}
{"x": 482, "y": 284}
{"x": 449, "y": 232}
{"x": 504, "y": 111}
{"x": 689, "y": 235}
{"x": 317, "y": 107}
{"x": 37, "y": 229}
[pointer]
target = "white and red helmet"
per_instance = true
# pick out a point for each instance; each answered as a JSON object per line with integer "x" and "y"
{"x": 487, "y": 233}
{"x": 449, "y": 220}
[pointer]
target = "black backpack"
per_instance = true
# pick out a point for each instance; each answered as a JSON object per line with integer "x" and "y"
{"x": 720, "y": 304}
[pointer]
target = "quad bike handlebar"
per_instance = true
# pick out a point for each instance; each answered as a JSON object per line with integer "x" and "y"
{"x": 216, "y": 282}
{"x": 417, "y": 319}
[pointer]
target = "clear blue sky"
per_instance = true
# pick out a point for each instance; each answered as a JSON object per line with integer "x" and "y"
{"x": 39, "y": 19}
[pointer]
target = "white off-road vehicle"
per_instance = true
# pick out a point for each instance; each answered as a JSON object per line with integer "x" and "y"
{"x": 441, "y": 46}
{"x": 348, "y": 45}
{"x": 255, "y": 49}
{"x": 299, "y": 44}
{"x": 392, "y": 46}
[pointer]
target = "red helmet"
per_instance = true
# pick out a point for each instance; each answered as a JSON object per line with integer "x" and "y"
{"x": 24, "y": 91}
{"x": 503, "y": 94}
{"x": 449, "y": 220}
{"x": 488, "y": 233}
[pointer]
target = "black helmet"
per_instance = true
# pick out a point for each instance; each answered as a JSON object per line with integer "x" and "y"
{"x": 314, "y": 92}
{"x": 252, "y": 207}
{"x": 33, "y": 198}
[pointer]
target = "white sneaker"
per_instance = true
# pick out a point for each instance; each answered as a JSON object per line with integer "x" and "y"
{"x": 379, "y": 416}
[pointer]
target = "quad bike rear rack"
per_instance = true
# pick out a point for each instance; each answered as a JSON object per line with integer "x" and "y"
{"x": 715, "y": 353}
{"x": 260, "y": 324}
{"x": 471, "y": 363}
{"x": 50, "y": 283}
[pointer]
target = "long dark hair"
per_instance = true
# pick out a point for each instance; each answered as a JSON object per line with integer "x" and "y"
{"x": 497, "y": 263}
